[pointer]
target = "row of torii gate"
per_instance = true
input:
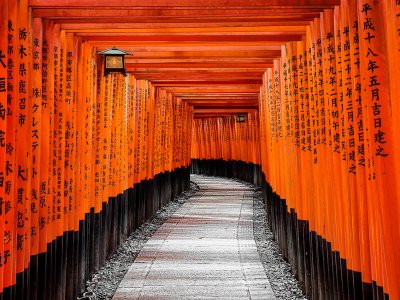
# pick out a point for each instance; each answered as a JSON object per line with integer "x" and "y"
{"x": 86, "y": 158}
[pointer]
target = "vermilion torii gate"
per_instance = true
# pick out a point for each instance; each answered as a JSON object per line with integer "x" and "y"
{"x": 85, "y": 159}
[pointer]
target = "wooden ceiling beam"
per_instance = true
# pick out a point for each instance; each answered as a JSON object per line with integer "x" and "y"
{"x": 184, "y": 3}
{"x": 221, "y": 98}
{"x": 189, "y": 71}
{"x": 250, "y": 87}
{"x": 191, "y": 21}
{"x": 212, "y": 90}
{"x": 220, "y": 29}
{"x": 140, "y": 47}
{"x": 215, "y": 45}
{"x": 215, "y": 94}
{"x": 137, "y": 12}
{"x": 99, "y": 24}
{"x": 134, "y": 60}
{"x": 181, "y": 96}
{"x": 218, "y": 106}
{"x": 224, "y": 110}
{"x": 222, "y": 101}
{"x": 211, "y": 115}
{"x": 200, "y": 65}
{"x": 222, "y": 105}
{"x": 217, "y": 81}
{"x": 173, "y": 84}
{"x": 231, "y": 54}
{"x": 242, "y": 106}
{"x": 279, "y": 37}
{"x": 201, "y": 76}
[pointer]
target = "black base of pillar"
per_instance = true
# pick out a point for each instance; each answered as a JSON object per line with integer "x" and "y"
{"x": 248, "y": 172}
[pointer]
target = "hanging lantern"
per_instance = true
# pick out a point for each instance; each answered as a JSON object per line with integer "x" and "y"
{"x": 240, "y": 118}
{"x": 114, "y": 61}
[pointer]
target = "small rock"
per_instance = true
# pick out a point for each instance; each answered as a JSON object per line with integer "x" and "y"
{"x": 283, "y": 283}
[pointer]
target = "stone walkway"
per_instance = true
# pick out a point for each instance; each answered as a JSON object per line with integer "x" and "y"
{"x": 206, "y": 250}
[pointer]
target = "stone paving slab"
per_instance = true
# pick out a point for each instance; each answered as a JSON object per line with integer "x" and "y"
{"x": 206, "y": 250}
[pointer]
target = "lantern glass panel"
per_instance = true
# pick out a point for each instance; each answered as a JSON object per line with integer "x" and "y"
{"x": 114, "y": 62}
{"x": 240, "y": 118}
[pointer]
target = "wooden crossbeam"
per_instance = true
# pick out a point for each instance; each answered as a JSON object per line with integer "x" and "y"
{"x": 224, "y": 110}
{"x": 208, "y": 29}
{"x": 103, "y": 24}
{"x": 183, "y": 3}
{"x": 130, "y": 13}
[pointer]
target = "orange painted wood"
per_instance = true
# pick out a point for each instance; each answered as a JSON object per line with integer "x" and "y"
{"x": 186, "y": 3}
{"x": 4, "y": 230}
{"x": 93, "y": 24}
{"x": 305, "y": 72}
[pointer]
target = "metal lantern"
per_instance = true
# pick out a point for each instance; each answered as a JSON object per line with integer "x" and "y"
{"x": 240, "y": 118}
{"x": 114, "y": 61}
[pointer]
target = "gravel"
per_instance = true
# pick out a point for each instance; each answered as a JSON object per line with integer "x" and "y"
{"x": 104, "y": 283}
{"x": 283, "y": 283}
